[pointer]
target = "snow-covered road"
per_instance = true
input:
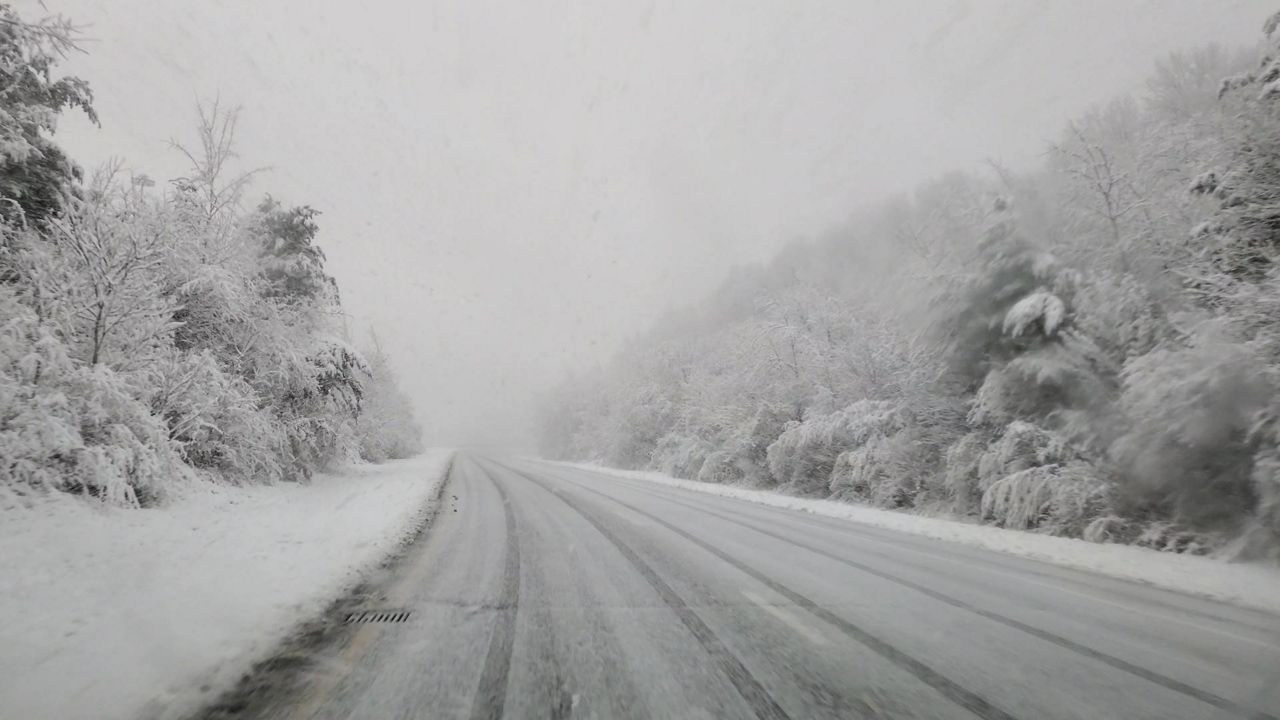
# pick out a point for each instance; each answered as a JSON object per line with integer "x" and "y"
{"x": 562, "y": 592}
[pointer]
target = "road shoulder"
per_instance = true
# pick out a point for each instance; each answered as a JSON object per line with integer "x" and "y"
{"x": 169, "y": 606}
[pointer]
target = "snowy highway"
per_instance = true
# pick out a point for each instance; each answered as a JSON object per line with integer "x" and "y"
{"x": 543, "y": 591}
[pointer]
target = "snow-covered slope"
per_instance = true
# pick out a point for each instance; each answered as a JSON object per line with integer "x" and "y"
{"x": 117, "y": 614}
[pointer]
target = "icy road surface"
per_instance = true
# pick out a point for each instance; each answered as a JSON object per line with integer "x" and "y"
{"x": 555, "y": 592}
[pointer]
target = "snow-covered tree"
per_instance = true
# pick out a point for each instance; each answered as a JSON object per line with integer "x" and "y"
{"x": 36, "y": 176}
{"x": 1096, "y": 355}
{"x": 385, "y": 428}
{"x": 293, "y": 265}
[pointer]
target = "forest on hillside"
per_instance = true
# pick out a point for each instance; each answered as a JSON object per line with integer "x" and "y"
{"x": 160, "y": 333}
{"x": 1090, "y": 349}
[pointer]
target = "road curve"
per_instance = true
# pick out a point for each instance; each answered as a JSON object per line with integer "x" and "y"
{"x": 550, "y": 592}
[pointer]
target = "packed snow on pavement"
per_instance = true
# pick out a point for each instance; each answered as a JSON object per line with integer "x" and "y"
{"x": 120, "y": 613}
{"x": 1252, "y": 585}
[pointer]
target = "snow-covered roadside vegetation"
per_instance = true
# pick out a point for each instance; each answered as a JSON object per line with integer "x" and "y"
{"x": 177, "y": 387}
{"x": 1089, "y": 350}
{"x": 156, "y": 335}
{"x": 125, "y": 613}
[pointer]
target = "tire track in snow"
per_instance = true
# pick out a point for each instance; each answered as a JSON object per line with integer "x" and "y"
{"x": 911, "y": 542}
{"x": 762, "y": 704}
{"x": 1120, "y": 664}
{"x": 491, "y": 693}
{"x": 958, "y": 694}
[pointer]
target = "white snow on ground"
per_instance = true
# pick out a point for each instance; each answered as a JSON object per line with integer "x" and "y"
{"x": 1253, "y": 585}
{"x": 113, "y": 613}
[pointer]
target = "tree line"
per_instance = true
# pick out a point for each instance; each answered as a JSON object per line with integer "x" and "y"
{"x": 153, "y": 335}
{"x": 1088, "y": 349}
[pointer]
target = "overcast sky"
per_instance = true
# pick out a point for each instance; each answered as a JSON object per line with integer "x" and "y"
{"x": 511, "y": 189}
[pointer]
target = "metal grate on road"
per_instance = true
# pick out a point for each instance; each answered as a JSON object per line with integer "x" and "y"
{"x": 378, "y": 616}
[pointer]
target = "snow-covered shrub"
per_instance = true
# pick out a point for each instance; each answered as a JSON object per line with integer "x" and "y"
{"x": 855, "y": 473}
{"x": 960, "y": 477}
{"x": 1188, "y": 454}
{"x": 214, "y": 418}
{"x": 1028, "y": 478}
{"x": 1260, "y": 538}
{"x": 323, "y": 387}
{"x": 719, "y": 467}
{"x": 386, "y": 428}
{"x": 1059, "y": 499}
{"x": 1022, "y": 446}
{"x": 69, "y": 426}
{"x": 1110, "y": 529}
{"x": 748, "y": 442}
{"x": 636, "y": 418}
{"x": 680, "y": 455}
{"x": 726, "y": 448}
{"x": 1170, "y": 537}
{"x": 1003, "y": 396}
{"x": 804, "y": 455}
{"x": 1262, "y": 531}
{"x": 1122, "y": 315}
{"x": 340, "y": 372}
{"x": 888, "y": 470}
{"x": 219, "y": 305}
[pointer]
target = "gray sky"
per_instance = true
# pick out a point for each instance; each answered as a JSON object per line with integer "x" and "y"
{"x": 510, "y": 189}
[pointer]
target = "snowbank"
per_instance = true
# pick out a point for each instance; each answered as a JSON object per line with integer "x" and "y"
{"x": 1246, "y": 584}
{"x": 114, "y": 613}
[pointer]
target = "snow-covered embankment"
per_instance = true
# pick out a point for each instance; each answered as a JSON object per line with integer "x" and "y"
{"x": 114, "y": 613}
